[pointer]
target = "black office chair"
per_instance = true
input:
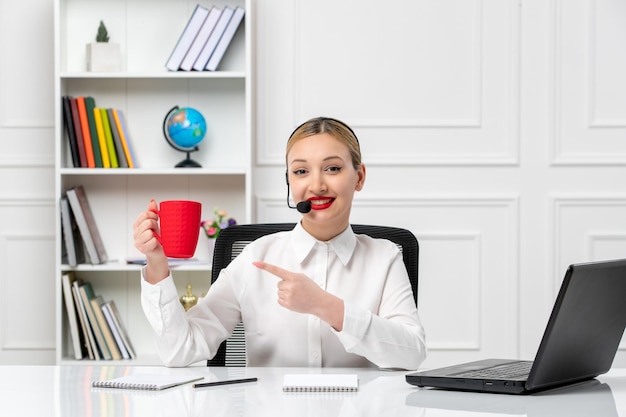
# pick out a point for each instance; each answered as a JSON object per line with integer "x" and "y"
{"x": 232, "y": 240}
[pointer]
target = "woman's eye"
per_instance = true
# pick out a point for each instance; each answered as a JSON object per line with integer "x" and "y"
{"x": 299, "y": 171}
{"x": 333, "y": 169}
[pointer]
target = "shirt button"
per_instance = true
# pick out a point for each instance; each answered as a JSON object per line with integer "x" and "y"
{"x": 316, "y": 355}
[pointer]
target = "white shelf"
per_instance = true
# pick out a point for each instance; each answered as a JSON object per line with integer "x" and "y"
{"x": 145, "y": 92}
{"x": 201, "y": 266}
{"x": 155, "y": 75}
{"x": 155, "y": 171}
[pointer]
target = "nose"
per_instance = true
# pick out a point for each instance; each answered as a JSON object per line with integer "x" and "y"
{"x": 318, "y": 185}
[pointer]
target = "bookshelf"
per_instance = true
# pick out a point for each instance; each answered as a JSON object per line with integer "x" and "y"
{"x": 145, "y": 91}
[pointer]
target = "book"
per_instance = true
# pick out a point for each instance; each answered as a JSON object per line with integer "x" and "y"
{"x": 227, "y": 37}
{"x": 320, "y": 383}
{"x": 84, "y": 126}
{"x": 96, "y": 304}
{"x": 127, "y": 138}
{"x": 102, "y": 141}
{"x": 78, "y": 133}
{"x": 117, "y": 328}
{"x": 213, "y": 40}
{"x": 87, "y": 224}
{"x": 106, "y": 126}
{"x": 201, "y": 39}
{"x": 150, "y": 382}
{"x": 190, "y": 32}
{"x": 119, "y": 148}
{"x": 88, "y": 337}
{"x": 69, "y": 128}
{"x": 124, "y": 139}
{"x": 72, "y": 315}
{"x": 71, "y": 235}
{"x": 90, "y": 104}
{"x": 87, "y": 294}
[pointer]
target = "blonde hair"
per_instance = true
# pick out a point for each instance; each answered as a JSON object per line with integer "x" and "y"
{"x": 336, "y": 128}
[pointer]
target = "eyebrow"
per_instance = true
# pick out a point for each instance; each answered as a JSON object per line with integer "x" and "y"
{"x": 328, "y": 158}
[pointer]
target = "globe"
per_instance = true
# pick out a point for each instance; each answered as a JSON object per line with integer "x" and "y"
{"x": 184, "y": 128}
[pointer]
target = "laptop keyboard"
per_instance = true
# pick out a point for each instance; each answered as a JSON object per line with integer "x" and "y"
{"x": 505, "y": 371}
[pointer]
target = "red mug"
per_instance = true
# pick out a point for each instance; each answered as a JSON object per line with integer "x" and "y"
{"x": 179, "y": 222}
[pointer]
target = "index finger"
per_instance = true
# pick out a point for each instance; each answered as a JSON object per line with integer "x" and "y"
{"x": 272, "y": 269}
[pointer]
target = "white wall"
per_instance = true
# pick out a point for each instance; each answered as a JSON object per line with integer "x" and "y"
{"x": 492, "y": 129}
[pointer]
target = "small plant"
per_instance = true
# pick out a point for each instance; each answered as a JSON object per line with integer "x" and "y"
{"x": 212, "y": 228}
{"x": 103, "y": 35}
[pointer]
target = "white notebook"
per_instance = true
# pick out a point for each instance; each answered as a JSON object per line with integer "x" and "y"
{"x": 320, "y": 383}
{"x": 150, "y": 382}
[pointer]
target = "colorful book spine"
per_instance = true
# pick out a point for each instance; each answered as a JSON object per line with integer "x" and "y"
{"x": 121, "y": 158}
{"x": 109, "y": 138}
{"x": 96, "y": 305}
{"x": 89, "y": 338}
{"x": 90, "y": 104}
{"x": 78, "y": 133}
{"x": 102, "y": 141}
{"x": 84, "y": 125}
{"x": 69, "y": 128}
{"x": 86, "y": 293}
{"x": 87, "y": 224}
{"x": 117, "y": 115}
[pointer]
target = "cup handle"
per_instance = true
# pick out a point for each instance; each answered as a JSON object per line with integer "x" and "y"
{"x": 156, "y": 235}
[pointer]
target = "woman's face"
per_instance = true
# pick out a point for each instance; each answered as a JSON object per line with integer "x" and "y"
{"x": 320, "y": 171}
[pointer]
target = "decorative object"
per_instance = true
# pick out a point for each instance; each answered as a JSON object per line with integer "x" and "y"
{"x": 220, "y": 221}
{"x": 103, "y": 56}
{"x": 184, "y": 128}
{"x": 212, "y": 228}
{"x": 188, "y": 300}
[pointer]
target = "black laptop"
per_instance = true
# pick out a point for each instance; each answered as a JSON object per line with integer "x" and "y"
{"x": 579, "y": 343}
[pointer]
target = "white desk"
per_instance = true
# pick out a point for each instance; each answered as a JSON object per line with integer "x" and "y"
{"x": 65, "y": 391}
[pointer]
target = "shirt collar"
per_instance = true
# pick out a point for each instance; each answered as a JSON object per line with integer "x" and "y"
{"x": 343, "y": 244}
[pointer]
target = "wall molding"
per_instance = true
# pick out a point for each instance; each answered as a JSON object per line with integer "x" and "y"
{"x": 9, "y": 300}
{"x": 489, "y": 148}
{"x": 26, "y": 161}
{"x": 559, "y": 203}
{"x": 592, "y": 125}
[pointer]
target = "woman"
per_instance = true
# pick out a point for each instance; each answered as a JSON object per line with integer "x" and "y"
{"x": 318, "y": 295}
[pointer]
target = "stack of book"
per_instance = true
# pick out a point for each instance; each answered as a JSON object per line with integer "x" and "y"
{"x": 96, "y": 327}
{"x": 205, "y": 39}
{"x": 81, "y": 238}
{"x": 98, "y": 137}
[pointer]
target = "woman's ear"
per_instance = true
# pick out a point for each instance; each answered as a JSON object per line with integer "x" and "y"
{"x": 360, "y": 178}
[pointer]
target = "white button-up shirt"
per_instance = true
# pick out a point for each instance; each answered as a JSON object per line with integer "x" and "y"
{"x": 381, "y": 326}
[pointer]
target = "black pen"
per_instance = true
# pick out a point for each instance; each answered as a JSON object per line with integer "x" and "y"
{"x": 226, "y": 382}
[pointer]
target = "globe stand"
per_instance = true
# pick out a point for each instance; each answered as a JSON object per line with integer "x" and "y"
{"x": 188, "y": 162}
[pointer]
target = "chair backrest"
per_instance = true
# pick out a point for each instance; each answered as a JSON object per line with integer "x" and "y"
{"x": 232, "y": 240}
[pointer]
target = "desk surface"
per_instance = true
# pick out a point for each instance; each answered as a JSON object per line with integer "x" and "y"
{"x": 66, "y": 391}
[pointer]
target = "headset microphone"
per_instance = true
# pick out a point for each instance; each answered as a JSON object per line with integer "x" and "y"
{"x": 303, "y": 207}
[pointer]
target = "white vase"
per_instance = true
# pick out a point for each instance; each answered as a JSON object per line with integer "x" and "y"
{"x": 211, "y": 247}
{"x": 103, "y": 57}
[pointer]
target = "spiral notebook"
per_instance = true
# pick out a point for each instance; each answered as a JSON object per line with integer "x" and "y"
{"x": 149, "y": 382}
{"x": 320, "y": 383}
